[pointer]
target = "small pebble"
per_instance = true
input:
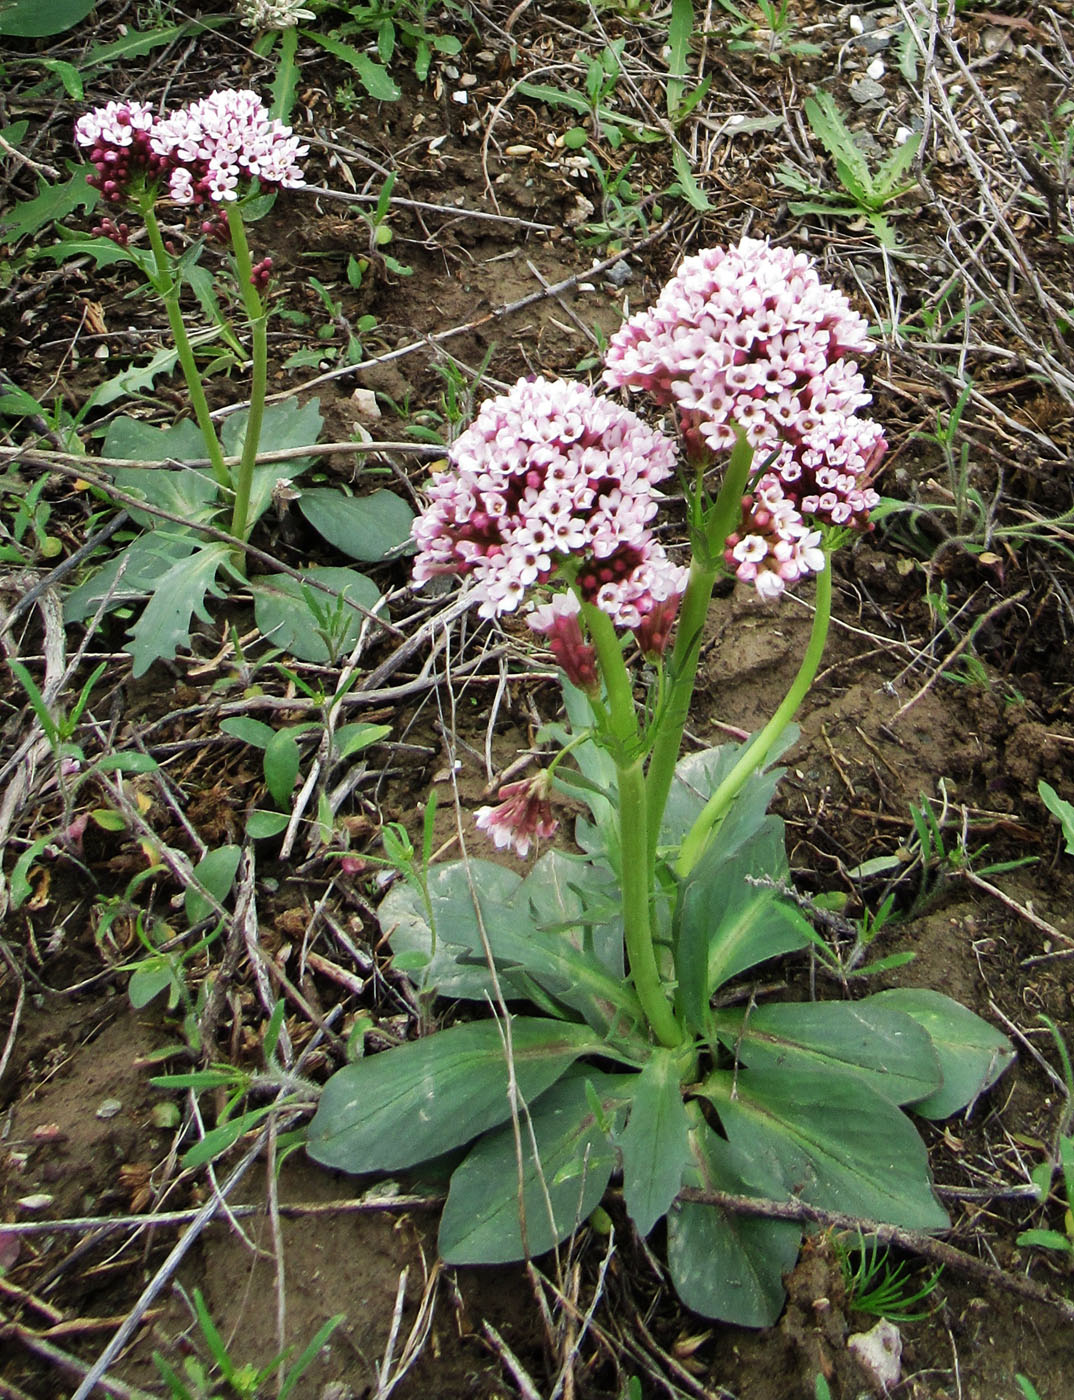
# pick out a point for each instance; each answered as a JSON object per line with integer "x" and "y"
{"x": 866, "y": 90}
{"x": 109, "y": 1108}
{"x": 876, "y": 69}
{"x": 619, "y": 273}
{"x": 35, "y": 1202}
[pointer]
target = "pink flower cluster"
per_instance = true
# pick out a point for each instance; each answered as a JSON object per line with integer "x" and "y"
{"x": 749, "y": 339}
{"x": 549, "y": 473}
{"x": 205, "y": 153}
{"x": 523, "y": 815}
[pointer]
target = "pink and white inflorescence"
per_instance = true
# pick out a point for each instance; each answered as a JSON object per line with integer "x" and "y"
{"x": 215, "y": 144}
{"x": 205, "y": 153}
{"x": 748, "y": 338}
{"x": 546, "y": 473}
{"x": 523, "y": 815}
{"x": 118, "y": 140}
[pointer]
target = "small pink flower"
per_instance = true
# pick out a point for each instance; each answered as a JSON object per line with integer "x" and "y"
{"x": 558, "y": 621}
{"x": 524, "y": 814}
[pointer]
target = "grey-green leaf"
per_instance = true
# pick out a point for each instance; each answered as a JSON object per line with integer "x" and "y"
{"x": 164, "y": 625}
{"x": 834, "y": 1142}
{"x": 881, "y": 1044}
{"x": 287, "y": 620}
{"x": 655, "y": 1143}
{"x": 418, "y": 1100}
{"x": 972, "y": 1053}
{"x": 369, "y": 528}
{"x": 561, "y": 1186}
{"x": 281, "y": 763}
{"x": 723, "y": 1264}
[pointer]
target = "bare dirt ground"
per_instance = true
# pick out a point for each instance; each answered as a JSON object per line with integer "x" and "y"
{"x": 947, "y": 685}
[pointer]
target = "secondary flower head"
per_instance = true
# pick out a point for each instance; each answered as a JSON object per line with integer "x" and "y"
{"x": 773, "y": 546}
{"x": 558, "y": 622}
{"x": 524, "y": 814}
{"x": 548, "y": 473}
{"x": 117, "y": 138}
{"x": 214, "y": 147}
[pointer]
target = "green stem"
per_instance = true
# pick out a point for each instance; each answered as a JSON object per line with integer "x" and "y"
{"x": 258, "y": 318}
{"x": 169, "y": 291}
{"x": 682, "y": 669}
{"x": 760, "y": 746}
{"x": 629, "y": 762}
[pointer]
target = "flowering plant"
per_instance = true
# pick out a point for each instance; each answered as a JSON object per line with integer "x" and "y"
{"x": 621, "y": 1043}
{"x": 221, "y": 159}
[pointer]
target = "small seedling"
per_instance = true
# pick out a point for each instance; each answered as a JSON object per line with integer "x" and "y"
{"x": 865, "y": 194}
{"x": 1062, "y": 810}
{"x": 771, "y": 35}
{"x": 876, "y": 1285}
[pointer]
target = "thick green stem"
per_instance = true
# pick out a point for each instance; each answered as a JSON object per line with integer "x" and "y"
{"x": 258, "y": 318}
{"x": 169, "y": 290}
{"x": 636, "y": 888}
{"x": 760, "y": 746}
{"x": 682, "y": 669}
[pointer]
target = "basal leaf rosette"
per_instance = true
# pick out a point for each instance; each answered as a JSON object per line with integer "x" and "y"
{"x": 551, "y": 480}
{"x": 749, "y": 339}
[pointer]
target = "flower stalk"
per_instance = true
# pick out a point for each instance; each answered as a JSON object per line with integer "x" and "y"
{"x": 168, "y": 289}
{"x": 257, "y": 316}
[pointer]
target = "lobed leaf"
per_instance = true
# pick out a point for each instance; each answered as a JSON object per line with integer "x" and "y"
{"x": 164, "y": 625}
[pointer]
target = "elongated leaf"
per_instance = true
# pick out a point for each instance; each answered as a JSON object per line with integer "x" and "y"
{"x": 561, "y": 1186}
{"x": 832, "y": 1140}
{"x": 727, "y": 925}
{"x": 164, "y": 625}
{"x": 886, "y": 1047}
{"x": 373, "y": 76}
{"x": 828, "y": 126}
{"x": 972, "y": 1053}
{"x": 655, "y": 1143}
{"x": 251, "y": 731}
{"x": 282, "y": 759}
{"x": 51, "y": 204}
{"x": 725, "y": 1265}
{"x": 131, "y": 381}
{"x": 133, "y": 573}
{"x": 418, "y": 1100}
{"x": 369, "y": 528}
{"x": 697, "y": 777}
{"x": 137, "y": 42}
{"x": 289, "y": 622}
{"x": 216, "y": 871}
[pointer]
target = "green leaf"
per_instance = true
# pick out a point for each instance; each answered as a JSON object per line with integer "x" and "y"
{"x": 149, "y": 979}
{"x": 559, "y": 961}
{"x": 374, "y": 78}
{"x": 725, "y": 1265}
{"x": 186, "y": 492}
{"x": 103, "y": 251}
{"x": 726, "y": 924}
{"x": 832, "y": 1140}
{"x": 251, "y": 731}
{"x": 281, "y": 763}
{"x": 51, "y": 204}
{"x": 350, "y": 739}
{"x": 284, "y": 87}
{"x": 418, "y": 1100}
{"x": 216, "y": 871}
{"x": 285, "y": 618}
{"x": 884, "y": 1046}
{"x": 561, "y": 1185}
{"x": 831, "y": 130}
{"x": 697, "y": 777}
{"x": 1061, "y": 810}
{"x": 126, "y": 763}
{"x": 655, "y": 1143}
{"x": 131, "y": 381}
{"x": 262, "y": 825}
{"x": 689, "y": 189}
{"x": 136, "y": 43}
{"x": 369, "y": 528}
{"x": 30, "y": 19}
{"x": 164, "y": 625}
{"x": 1046, "y": 1239}
{"x": 285, "y": 424}
{"x": 972, "y": 1053}
{"x": 133, "y": 573}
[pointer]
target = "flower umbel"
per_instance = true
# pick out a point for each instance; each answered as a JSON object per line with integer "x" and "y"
{"x": 524, "y": 814}
{"x": 548, "y": 473}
